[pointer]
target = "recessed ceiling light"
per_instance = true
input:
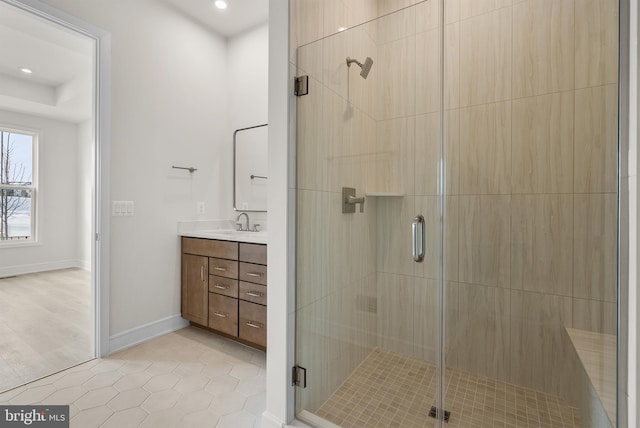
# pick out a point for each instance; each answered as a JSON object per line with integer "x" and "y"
{"x": 26, "y": 70}
{"x": 220, "y": 4}
{"x": 342, "y": 28}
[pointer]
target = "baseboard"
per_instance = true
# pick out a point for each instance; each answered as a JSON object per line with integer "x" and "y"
{"x": 83, "y": 264}
{"x": 37, "y": 267}
{"x": 144, "y": 333}
{"x": 270, "y": 421}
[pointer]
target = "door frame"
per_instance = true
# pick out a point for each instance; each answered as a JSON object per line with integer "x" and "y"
{"x": 100, "y": 264}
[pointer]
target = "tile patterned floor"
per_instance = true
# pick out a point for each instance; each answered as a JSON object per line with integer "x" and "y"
{"x": 188, "y": 379}
{"x": 391, "y": 390}
{"x": 45, "y": 324}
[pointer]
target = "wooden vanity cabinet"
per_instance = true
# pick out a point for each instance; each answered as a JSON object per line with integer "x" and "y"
{"x": 195, "y": 291}
{"x": 224, "y": 288}
{"x": 253, "y": 293}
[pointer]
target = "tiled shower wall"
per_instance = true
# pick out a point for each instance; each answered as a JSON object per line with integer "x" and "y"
{"x": 531, "y": 143}
{"x": 336, "y": 262}
{"x": 530, "y": 224}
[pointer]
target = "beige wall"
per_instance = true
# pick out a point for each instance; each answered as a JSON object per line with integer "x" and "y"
{"x": 530, "y": 214}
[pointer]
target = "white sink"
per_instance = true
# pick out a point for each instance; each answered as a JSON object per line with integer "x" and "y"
{"x": 220, "y": 229}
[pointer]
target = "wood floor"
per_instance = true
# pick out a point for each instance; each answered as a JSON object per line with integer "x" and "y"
{"x": 45, "y": 324}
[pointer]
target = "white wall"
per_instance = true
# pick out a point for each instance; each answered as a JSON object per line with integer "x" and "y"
{"x": 85, "y": 157}
{"x": 169, "y": 107}
{"x": 57, "y": 198}
{"x": 248, "y": 68}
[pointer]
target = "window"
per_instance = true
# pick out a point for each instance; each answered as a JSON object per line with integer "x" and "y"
{"x": 17, "y": 186}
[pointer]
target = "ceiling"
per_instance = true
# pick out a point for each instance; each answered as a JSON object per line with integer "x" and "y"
{"x": 62, "y": 63}
{"x": 60, "y": 86}
{"x": 239, "y": 16}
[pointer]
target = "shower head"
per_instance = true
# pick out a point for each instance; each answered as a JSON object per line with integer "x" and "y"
{"x": 365, "y": 68}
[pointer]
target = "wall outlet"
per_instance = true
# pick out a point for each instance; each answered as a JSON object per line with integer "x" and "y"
{"x": 201, "y": 208}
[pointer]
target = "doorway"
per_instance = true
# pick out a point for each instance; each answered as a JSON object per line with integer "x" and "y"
{"x": 53, "y": 269}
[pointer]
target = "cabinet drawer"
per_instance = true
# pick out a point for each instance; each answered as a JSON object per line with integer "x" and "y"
{"x": 253, "y": 293}
{"x": 221, "y": 267}
{"x": 253, "y": 253}
{"x": 210, "y": 248}
{"x": 223, "y": 314}
{"x": 253, "y": 273}
{"x": 253, "y": 323}
{"x": 224, "y": 286}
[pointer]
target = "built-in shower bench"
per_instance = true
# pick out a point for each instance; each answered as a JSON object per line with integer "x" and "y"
{"x": 597, "y": 353}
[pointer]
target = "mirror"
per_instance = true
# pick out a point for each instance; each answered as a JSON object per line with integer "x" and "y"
{"x": 250, "y": 168}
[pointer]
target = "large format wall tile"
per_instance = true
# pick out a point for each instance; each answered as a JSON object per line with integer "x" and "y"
{"x": 361, "y": 133}
{"x": 595, "y": 246}
{"x": 538, "y": 339}
{"x": 427, "y": 154}
{"x": 311, "y": 262}
{"x": 594, "y": 315}
{"x": 542, "y": 146}
{"x": 336, "y": 75}
{"x": 389, "y": 6}
{"x": 338, "y": 15}
{"x": 485, "y": 149}
{"x": 396, "y": 295}
{"x": 361, "y": 93}
{"x": 427, "y": 326}
{"x": 485, "y": 58}
{"x": 596, "y": 52}
{"x": 394, "y": 156}
{"x": 336, "y": 126}
{"x": 311, "y": 150}
{"x": 394, "y": 26}
{"x": 429, "y": 207}
{"x": 311, "y": 353}
{"x": 542, "y": 47}
{"x": 481, "y": 343}
{"x": 394, "y": 234}
{"x": 452, "y": 66}
{"x": 541, "y": 248}
{"x": 484, "y": 240}
{"x": 596, "y": 132}
{"x": 398, "y": 95}
{"x": 471, "y": 8}
{"x": 307, "y": 19}
{"x": 428, "y": 70}
{"x": 427, "y": 15}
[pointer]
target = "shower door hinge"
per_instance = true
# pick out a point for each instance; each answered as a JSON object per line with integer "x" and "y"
{"x": 299, "y": 376}
{"x": 97, "y": 236}
{"x": 433, "y": 413}
{"x": 301, "y": 86}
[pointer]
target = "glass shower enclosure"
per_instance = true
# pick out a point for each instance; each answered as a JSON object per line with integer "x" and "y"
{"x": 456, "y": 213}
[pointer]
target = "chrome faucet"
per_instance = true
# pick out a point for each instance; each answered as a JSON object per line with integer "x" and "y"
{"x": 240, "y": 224}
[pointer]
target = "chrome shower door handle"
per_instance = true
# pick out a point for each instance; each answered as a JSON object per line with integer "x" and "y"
{"x": 417, "y": 238}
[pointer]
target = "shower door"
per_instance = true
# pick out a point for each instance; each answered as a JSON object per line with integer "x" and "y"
{"x": 489, "y": 129}
{"x": 368, "y": 314}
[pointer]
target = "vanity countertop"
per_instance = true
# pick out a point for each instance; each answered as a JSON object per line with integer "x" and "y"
{"x": 220, "y": 230}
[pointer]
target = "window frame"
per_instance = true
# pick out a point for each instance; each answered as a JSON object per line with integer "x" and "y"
{"x": 33, "y": 188}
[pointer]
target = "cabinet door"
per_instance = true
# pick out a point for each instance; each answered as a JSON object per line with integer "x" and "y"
{"x": 223, "y": 314}
{"x": 253, "y": 323}
{"x": 195, "y": 288}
